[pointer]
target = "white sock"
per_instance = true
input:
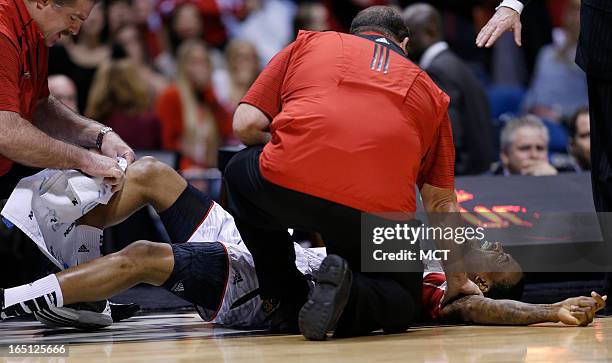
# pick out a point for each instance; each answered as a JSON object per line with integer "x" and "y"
{"x": 35, "y": 296}
{"x": 88, "y": 241}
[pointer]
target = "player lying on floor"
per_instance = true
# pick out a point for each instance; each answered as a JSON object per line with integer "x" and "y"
{"x": 219, "y": 278}
{"x": 502, "y": 287}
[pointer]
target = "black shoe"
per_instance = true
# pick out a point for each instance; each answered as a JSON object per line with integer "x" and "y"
{"x": 283, "y": 314}
{"x": 325, "y": 305}
{"x": 121, "y": 312}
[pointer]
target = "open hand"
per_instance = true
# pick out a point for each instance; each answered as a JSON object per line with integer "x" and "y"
{"x": 505, "y": 19}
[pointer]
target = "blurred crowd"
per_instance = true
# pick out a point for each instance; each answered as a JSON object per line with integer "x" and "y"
{"x": 168, "y": 74}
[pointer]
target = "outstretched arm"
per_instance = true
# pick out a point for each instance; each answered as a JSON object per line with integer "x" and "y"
{"x": 58, "y": 121}
{"x": 481, "y": 310}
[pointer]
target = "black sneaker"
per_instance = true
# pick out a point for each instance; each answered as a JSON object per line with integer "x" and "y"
{"x": 326, "y": 303}
{"x": 283, "y": 314}
{"x": 121, "y": 312}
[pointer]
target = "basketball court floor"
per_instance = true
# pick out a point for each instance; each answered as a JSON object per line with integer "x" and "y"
{"x": 185, "y": 338}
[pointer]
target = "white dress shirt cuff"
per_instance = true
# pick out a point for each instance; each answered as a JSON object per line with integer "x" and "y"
{"x": 512, "y": 4}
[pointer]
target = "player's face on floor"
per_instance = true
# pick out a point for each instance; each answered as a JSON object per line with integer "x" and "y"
{"x": 62, "y": 20}
{"x": 497, "y": 260}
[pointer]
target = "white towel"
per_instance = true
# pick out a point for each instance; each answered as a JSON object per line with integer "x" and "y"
{"x": 46, "y": 205}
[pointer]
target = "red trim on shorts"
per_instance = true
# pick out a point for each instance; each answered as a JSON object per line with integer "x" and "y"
{"x": 226, "y": 282}
{"x": 202, "y": 222}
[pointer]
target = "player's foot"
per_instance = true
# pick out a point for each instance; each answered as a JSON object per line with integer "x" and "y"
{"x": 86, "y": 316}
{"x": 121, "y": 312}
{"x": 325, "y": 305}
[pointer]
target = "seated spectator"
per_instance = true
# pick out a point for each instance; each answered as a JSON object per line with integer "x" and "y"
{"x": 469, "y": 108}
{"x": 150, "y": 27}
{"x": 579, "y": 128}
{"x": 119, "y": 13}
{"x": 128, "y": 38}
{"x": 268, "y": 24}
{"x": 64, "y": 90}
{"x": 524, "y": 148}
{"x": 311, "y": 16}
{"x": 193, "y": 121}
{"x": 80, "y": 58}
{"x": 185, "y": 23}
{"x": 558, "y": 86}
{"x": 121, "y": 99}
{"x": 242, "y": 64}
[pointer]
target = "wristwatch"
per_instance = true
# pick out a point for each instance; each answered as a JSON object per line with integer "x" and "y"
{"x": 103, "y": 131}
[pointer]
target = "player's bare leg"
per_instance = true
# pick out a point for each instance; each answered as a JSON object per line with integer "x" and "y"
{"x": 148, "y": 181}
{"x": 141, "y": 261}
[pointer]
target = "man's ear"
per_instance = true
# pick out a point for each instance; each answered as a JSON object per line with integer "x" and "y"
{"x": 404, "y": 44}
{"x": 504, "y": 158}
{"x": 482, "y": 283}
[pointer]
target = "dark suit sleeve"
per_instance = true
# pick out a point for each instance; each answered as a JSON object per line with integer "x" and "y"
{"x": 454, "y": 113}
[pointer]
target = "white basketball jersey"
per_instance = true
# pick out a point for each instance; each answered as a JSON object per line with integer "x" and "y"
{"x": 241, "y": 305}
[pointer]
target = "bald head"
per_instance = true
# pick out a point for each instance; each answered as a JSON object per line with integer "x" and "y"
{"x": 64, "y": 90}
{"x": 425, "y": 24}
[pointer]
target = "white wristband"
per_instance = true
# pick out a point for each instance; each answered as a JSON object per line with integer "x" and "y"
{"x": 512, "y": 4}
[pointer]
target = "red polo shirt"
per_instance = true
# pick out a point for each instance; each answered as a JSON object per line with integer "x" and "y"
{"x": 23, "y": 63}
{"x": 353, "y": 122}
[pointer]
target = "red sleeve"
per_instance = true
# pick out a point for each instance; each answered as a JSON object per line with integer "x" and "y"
{"x": 168, "y": 110}
{"x": 438, "y": 163}
{"x": 9, "y": 76}
{"x": 265, "y": 93}
{"x": 438, "y": 168}
{"x": 434, "y": 287}
{"x": 222, "y": 117}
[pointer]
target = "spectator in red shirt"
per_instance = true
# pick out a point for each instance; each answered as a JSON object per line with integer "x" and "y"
{"x": 35, "y": 129}
{"x": 193, "y": 122}
{"x": 339, "y": 125}
{"x": 122, "y": 98}
{"x": 242, "y": 63}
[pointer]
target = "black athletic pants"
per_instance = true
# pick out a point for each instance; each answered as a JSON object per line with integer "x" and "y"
{"x": 263, "y": 211}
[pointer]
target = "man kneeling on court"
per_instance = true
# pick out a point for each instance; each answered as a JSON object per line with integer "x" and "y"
{"x": 219, "y": 278}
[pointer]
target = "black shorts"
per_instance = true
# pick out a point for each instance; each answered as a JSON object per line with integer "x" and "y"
{"x": 187, "y": 213}
{"x": 200, "y": 275}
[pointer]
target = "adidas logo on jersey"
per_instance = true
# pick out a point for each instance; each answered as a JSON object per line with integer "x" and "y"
{"x": 237, "y": 277}
{"x": 178, "y": 287}
{"x": 83, "y": 248}
{"x": 382, "y": 40}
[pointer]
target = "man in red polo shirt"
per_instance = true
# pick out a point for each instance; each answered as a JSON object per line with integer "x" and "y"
{"x": 35, "y": 129}
{"x": 350, "y": 125}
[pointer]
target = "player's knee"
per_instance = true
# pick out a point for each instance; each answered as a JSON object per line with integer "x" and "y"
{"x": 147, "y": 170}
{"x": 135, "y": 256}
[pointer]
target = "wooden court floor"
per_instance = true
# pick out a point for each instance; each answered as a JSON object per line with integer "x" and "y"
{"x": 185, "y": 338}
